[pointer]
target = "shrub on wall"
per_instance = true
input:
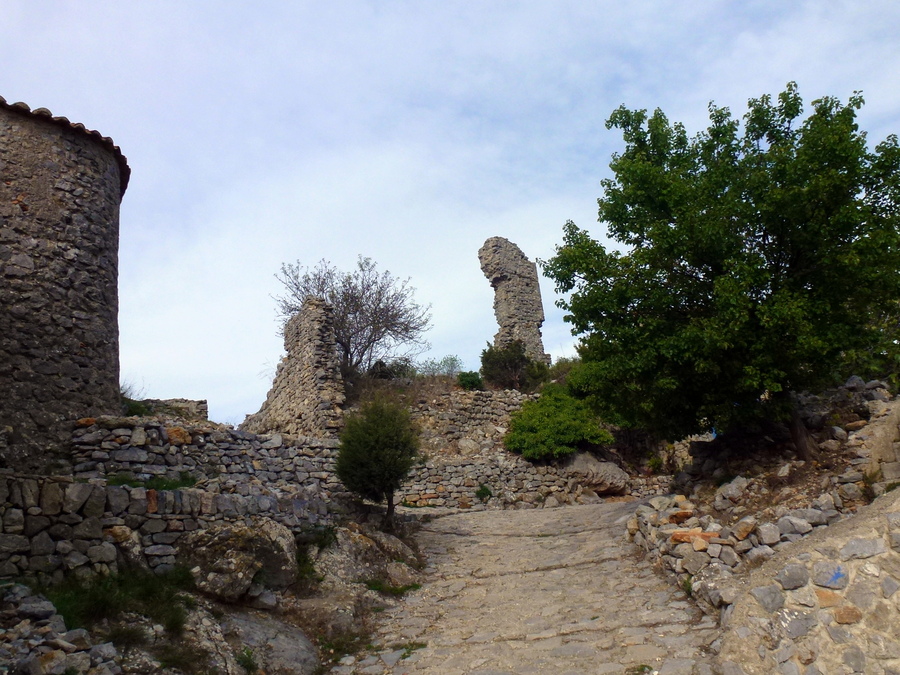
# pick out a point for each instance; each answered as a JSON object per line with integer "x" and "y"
{"x": 470, "y": 381}
{"x": 510, "y": 368}
{"x": 554, "y": 425}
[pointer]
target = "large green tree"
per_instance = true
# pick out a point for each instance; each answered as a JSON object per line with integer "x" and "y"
{"x": 754, "y": 259}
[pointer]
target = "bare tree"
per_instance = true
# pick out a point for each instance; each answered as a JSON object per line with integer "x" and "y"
{"x": 376, "y": 316}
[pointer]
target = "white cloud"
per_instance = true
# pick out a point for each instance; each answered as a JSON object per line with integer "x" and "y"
{"x": 409, "y": 132}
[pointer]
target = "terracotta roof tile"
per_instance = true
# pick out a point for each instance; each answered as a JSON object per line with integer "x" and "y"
{"x": 22, "y": 108}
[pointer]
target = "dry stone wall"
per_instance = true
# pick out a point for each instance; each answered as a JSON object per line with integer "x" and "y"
{"x": 828, "y": 604}
{"x": 228, "y": 460}
{"x": 59, "y": 234}
{"x": 55, "y": 525}
{"x": 465, "y": 422}
{"x": 496, "y": 479}
{"x": 307, "y": 396}
{"x": 517, "y": 296}
{"x": 811, "y": 590}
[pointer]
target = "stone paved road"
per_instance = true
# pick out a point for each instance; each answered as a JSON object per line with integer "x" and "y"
{"x": 539, "y": 591}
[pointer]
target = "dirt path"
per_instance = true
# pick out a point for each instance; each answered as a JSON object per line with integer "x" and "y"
{"x": 539, "y": 591}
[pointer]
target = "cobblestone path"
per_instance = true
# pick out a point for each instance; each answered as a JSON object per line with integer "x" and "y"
{"x": 538, "y": 591}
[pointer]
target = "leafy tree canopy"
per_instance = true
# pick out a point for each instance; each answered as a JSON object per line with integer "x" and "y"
{"x": 376, "y": 317}
{"x": 758, "y": 258}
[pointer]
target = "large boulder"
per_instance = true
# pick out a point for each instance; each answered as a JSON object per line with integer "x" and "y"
{"x": 227, "y": 557}
{"x": 590, "y": 472}
{"x": 278, "y": 647}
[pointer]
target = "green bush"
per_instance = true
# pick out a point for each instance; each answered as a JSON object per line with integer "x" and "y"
{"x": 510, "y": 368}
{"x": 470, "y": 381}
{"x": 449, "y": 366}
{"x": 561, "y": 367}
{"x": 246, "y": 660}
{"x": 132, "y": 406}
{"x": 84, "y": 603}
{"x": 381, "y": 586}
{"x": 556, "y": 424}
{"x": 484, "y": 493}
{"x": 379, "y": 446}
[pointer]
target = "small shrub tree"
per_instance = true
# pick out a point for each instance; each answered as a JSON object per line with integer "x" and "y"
{"x": 379, "y": 446}
{"x": 470, "y": 380}
{"x": 554, "y": 425}
{"x": 510, "y": 368}
{"x": 450, "y": 365}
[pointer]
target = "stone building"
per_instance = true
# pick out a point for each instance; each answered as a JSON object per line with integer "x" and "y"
{"x": 307, "y": 396}
{"x": 60, "y": 189}
{"x": 517, "y": 296}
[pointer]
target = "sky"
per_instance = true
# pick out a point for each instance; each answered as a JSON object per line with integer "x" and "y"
{"x": 408, "y": 132}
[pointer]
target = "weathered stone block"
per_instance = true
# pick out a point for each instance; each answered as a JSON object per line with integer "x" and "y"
{"x": 830, "y": 575}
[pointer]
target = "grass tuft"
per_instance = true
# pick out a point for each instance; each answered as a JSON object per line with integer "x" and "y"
{"x": 84, "y": 603}
{"x": 382, "y": 586}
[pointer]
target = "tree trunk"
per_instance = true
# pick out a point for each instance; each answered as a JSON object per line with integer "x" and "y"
{"x": 388, "y": 523}
{"x": 804, "y": 443}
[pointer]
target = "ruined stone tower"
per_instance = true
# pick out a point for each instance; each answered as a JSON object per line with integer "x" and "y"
{"x": 517, "y": 296}
{"x": 307, "y": 396}
{"x": 60, "y": 189}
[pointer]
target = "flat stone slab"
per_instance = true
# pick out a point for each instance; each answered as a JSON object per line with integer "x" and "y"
{"x": 541, "y": 591}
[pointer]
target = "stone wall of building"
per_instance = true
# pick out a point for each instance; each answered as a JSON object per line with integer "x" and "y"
{"x": 307, "y": 396}
{"x": 59, "y": 234}
{"x": 517, "y": 296}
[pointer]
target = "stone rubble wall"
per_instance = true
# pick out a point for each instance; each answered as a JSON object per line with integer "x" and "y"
{"x": 34, "y": 638}
{"x": 188, "y": 409}
{"x": 307, "y": 395}
{"x": 878, "y": 444}
{"x": 517, "y": 296}
{"x": 53, "y": 525}
{"x": 829, "y": 604}
{"x": 512, "y": 481}
{"x": 812, "y": 592}
{"x": 234, "y": 459}
{"x": 59, "y": 237}
{"x": 702, "y": 551}
{"x": 462, "y": 437}
{"x": 466, "y": 422}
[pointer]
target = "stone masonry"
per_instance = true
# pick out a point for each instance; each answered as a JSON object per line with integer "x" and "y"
{"x": 517, "y": 296}
{"x": 60, "y": 189}
{"x": 51, "y": 526}
{"x": 307, "y": 396}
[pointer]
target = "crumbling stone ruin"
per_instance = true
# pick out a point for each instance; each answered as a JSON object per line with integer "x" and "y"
{"x": 59, "y": 236}
{"x": 307, "y": 396}
{"x": 517, "y": 296}
{"x": 185, "y": 408}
